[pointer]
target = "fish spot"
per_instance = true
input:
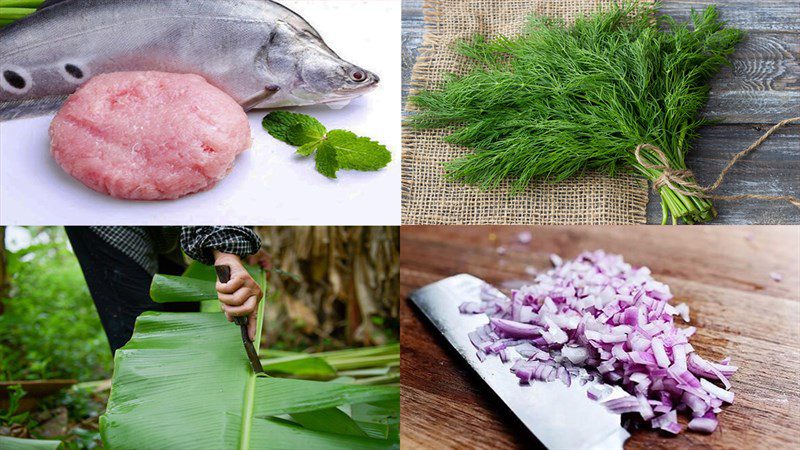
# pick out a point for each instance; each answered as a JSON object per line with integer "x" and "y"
{"x": 15, "y": 80}
{"x": 73, "y": 72}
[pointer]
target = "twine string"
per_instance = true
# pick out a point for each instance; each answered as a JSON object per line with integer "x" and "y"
{"x": 682, "y": 180}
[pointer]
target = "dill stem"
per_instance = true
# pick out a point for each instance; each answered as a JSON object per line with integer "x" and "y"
{"x": 15, "y": 13}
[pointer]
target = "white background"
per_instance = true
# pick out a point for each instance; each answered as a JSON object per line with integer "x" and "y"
{"x": 269, "y": 184}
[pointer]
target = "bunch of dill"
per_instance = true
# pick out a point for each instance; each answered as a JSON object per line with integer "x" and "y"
{"x": 560, "y": 99}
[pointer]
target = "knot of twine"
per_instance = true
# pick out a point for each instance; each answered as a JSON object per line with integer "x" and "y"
{"x": 682, "y": 180}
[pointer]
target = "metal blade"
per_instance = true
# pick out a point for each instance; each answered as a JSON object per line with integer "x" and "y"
{"x": 224, "y": 275}
{"x": 249, "y": 348}
{"x": 560, "y": 417}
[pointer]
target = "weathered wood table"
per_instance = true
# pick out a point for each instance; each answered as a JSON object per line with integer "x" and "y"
{"x": 761, "y": 89}
{"x": 722, "y": 273}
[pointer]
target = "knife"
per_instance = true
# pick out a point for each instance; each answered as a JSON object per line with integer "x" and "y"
{"x": 224, "y": 275}
{"x": 560, "y": 417}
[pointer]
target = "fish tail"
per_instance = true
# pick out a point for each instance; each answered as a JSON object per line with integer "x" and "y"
{"x": 18, "y": 109}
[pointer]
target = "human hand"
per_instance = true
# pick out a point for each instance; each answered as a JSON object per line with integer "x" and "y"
{"x": 241, "y": 294}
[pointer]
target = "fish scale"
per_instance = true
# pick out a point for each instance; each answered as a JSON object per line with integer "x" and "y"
{"x": 257, "y": 51}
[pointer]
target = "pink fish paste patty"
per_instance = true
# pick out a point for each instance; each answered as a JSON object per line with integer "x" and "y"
{"x": 149, "y": 135}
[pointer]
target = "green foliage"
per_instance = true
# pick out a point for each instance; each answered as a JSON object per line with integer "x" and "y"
{"x": 326, "y": 160}
{"x": 335, "y": 149}
{"x": 49, "y": 327}
{"x": 10, "y": 416}
{"x": 368, "y": 365}
{"x": 561, "y": 100}
{"x": 10, "y": 443}
{"x": 83, "y": 439}
{"x": 183, "y": 380}
{"x": 13, "y": 10}
{"x": 293, "y": 128}
{"x": 357, "y": 152}
{"x": 81, "y": 403}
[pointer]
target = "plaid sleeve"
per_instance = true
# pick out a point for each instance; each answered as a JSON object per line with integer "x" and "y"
{"x": 200, "y": 242}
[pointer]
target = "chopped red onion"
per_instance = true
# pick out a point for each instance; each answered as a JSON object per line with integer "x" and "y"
{"x": 777, "y": 277}
{"x": 667, "y": 422}
{"x": 598, "y": 315}
{"x": 525, "y": 237}
{"x": 703, "y": 424}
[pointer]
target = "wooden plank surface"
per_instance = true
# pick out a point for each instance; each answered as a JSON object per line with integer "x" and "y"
{"x": 722, "y": 273}
{"x": 761, "y": 88}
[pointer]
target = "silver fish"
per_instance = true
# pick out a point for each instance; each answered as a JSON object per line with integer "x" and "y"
{"x": 259, "y": 52}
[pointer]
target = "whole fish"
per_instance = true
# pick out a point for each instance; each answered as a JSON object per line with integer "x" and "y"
{"x": 259, "y": 52}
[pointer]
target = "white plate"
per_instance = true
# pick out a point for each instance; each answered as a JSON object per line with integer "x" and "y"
{"x": 269, "y": 185}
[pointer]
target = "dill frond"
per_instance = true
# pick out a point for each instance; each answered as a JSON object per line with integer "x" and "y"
{"x": 561, "y": 100}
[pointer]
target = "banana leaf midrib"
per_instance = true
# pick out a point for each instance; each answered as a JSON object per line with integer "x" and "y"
{"x": 249, "y": 393}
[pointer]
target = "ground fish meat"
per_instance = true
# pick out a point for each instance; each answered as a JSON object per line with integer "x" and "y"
{"x": 149, "y": 135}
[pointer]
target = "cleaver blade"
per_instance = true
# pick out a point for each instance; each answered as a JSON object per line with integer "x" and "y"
{"x": 560, "y": 417}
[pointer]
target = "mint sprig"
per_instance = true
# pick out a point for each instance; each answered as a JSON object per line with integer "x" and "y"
{"x": 333, "y": 150}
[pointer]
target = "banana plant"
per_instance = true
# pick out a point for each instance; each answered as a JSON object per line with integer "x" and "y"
{"x": 184, "y": 381}
{"x": 12, "y": 443}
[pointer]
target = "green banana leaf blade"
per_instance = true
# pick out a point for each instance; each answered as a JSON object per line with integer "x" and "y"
{"x": 184, "y": 381}
{"x": 174, "y": 382}
{"x": 12, "y": 443}
{"x": 169, "y": 288}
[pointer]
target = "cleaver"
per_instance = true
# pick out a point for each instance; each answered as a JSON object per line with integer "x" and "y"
{"x": 560, "y": 417}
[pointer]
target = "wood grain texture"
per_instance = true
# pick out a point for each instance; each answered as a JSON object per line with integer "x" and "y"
{"x": 761, "y": 88}
{"x": 722, "y": 273}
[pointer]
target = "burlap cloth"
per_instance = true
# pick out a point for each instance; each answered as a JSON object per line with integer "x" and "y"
{"x": 429, "y": 199}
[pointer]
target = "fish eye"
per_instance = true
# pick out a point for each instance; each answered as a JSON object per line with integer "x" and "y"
{"x": 15, "y": 80}
{"x": 73, "y": 72}
{"x": 359, "y": 76}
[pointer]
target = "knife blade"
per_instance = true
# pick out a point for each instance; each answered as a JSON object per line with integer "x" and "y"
{"x": 224, "y": 275}
{"x": 560, "y": 417}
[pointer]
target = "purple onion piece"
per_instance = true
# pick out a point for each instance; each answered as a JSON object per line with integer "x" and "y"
{"x": 618, "y": 325}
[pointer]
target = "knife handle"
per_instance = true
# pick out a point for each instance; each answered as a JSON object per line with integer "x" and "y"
{"x": 224, "y": 275}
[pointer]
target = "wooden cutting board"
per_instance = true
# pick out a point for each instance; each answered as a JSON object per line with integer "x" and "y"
{"x": 722, "y": 273}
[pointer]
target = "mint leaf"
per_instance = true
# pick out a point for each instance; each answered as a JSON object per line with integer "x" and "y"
{"x": 338, "y": 149}
{"x": 300, "y": 134}
{"x": 358, "y": 153}
{"x": 326, "y": 160}
{"x": 308, "y": 149}
{"x": 292, "y": 128}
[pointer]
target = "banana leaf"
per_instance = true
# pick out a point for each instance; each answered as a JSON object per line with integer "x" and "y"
{"x": 170, "y": 288}
{"x": 205, "y": 272}
{"x": 12, "y": 443}
{"x": 303, "y": 366}
{"x": 184, "y": 381}
{"x": 165, "y": 285}
{"x": 350, "y": 359}
{"x": 198, "y": 284}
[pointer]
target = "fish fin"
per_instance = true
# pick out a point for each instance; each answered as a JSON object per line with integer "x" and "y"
{"x": 339, "y": 105}
{"x": 18, "y": 109}
{"x": 259, "y": 98}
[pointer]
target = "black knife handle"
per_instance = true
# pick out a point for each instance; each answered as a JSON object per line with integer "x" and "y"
{"x": 224, "y": 275}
